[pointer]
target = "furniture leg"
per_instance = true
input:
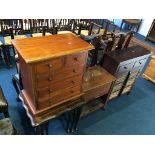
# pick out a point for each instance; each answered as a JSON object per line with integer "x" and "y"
{"x": 77, "y": 117}
{"x": 7, "y": 57}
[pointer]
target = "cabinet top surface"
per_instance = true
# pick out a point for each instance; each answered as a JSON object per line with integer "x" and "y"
{"x": 46, "y": 47}
{"x": 129, "y": 53}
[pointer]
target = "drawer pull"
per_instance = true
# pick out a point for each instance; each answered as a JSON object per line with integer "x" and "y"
{"x": 75, "y": 59}
{"x": 71, "y": 91}
{"x": 50, "y": 65}
{"x": 50, "y": 90}
{"x": 125, "y": 67}
{"x": 74, "y": 71}
{"x": 50, "y": 79}
{"x": 73, "y": 82}
{"x": 140, "y": 63}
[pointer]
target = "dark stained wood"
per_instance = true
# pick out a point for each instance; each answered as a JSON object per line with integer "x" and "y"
{"x": 127, "y": 65}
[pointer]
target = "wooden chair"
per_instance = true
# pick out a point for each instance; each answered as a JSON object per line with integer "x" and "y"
{"x": 38, "y": 26}
{"x": 132, "y": 23}
{"x": 6, "y": 127}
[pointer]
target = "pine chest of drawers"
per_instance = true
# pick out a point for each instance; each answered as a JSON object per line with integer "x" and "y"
{"x": 52, "y": 69}
{"x": 126, "y": 65}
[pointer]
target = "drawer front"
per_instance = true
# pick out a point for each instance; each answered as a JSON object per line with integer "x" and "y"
{"x": 50, "y": 65}
{"x": 47, "y": 79}
{"x": 75, "y": 59}
{"x": 97, "y": 92}
{"x": 139, "y": 64}
{"x": 113, "y": 95}
{"x": 124, "y": 69}
{"x": 134, "y": 74}
{"x": 127, "y": 89}
{"x": 58, "y": 97}
{"x": 120, "y": 79}
{"x": 117, "y": 87}
{"x": 70, "y": 82}
{"x": 130, "y": 82}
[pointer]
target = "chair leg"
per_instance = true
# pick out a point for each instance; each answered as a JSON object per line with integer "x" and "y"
{"x": 7, "y": 57}
{"x": 77, "y": 117}
{"x": 14, "y": 81}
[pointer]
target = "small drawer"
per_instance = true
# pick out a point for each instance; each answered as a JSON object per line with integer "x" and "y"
{"x": 113, "y": 95}
{"x": 127, "y": 89}
{"x": 124, "y": 69}
{"x": 48, "y": 66}
{"x": 117, "y": 87}
{"x": 58, "y": 97}
{"x": 47, "y": 79}
{"x": 139, "y": 64}
{"x": 70, "y": 82}
{"x": 96, "y": 92}
{"x": 74, "y": 59}
{"x": 120, "y": 79}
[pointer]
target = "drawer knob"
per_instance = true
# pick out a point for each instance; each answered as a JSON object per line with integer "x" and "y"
{"x": 140, "y": 63}
{"x": 72, "y": 91}
{"x": 50, "y": 65}
{"x": 125, "y": 67}
{"x": 74, "y": 71}
{"x": 50, "y": 78}
{"x": 75, "y": 58}
{"x": 50, "y": 90}
{"x": 72, "y": 82}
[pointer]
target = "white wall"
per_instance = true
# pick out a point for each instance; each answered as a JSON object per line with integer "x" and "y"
{"x": 145, "y": 26}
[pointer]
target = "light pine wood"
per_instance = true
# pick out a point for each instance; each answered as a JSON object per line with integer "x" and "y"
{"x": 149, "y": 73}
{"x": 47, "y": 47}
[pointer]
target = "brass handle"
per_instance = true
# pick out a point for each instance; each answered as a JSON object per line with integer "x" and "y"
{"x": 50, "y": 90}
{"x": 50, "y": 78}
{"x": 50, "y": 65}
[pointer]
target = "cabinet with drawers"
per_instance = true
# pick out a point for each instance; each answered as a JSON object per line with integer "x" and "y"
{"x": 126, "y": 65}
{"x": 52, "y": 70}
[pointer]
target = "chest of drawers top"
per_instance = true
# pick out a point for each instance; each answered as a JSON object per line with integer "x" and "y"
{"x": 48, "y": 47}
{"x": 128, "y": 54}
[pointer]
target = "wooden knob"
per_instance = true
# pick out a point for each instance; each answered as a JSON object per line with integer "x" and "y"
{"x": 75, "y": 58}
{"x": 50, "y": 101}
{"x": 50, "y": 90}
{"x": 72, "y": 82}
{"x": 74, "y": 71}
{"x": 50, "y": 78}
{"x": 50, "y": 65}
{"x": 72, "y": 91}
